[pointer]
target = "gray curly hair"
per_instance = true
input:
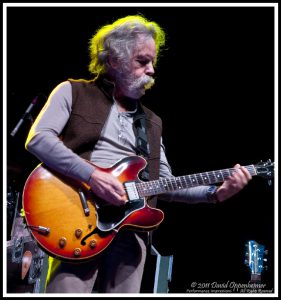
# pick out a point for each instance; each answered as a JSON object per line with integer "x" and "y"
{"x": 118, "y": 40}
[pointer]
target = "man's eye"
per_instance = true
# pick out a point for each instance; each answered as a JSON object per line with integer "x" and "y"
{"x": 142, "y": 62}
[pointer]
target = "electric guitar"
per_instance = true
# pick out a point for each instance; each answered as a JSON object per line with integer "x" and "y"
{"x": 255, "y": 253}
{"x": 71, "y": 223}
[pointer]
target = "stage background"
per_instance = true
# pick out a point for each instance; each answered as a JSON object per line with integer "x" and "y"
{"x": 215, "y": 93}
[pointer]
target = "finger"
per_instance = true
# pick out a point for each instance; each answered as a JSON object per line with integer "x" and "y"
{"x": 118, "y": 187}
{"x": 242, "y": 171}
{"x": 239, "y": 178}
{"x": 246, "y": 173}
{"x": 234, "y": 171}
{"x": 114, "y": 197}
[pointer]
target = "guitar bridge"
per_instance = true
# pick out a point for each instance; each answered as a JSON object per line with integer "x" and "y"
{"x": 131, "y": 190}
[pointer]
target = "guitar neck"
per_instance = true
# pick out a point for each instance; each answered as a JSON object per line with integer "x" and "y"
{"x": 164, "y": 185}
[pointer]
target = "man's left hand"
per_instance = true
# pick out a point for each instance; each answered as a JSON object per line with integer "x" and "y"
{"x": 234, "y": 183}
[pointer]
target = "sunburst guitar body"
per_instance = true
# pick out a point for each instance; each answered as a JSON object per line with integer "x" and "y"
{"x": 70, "y": 223}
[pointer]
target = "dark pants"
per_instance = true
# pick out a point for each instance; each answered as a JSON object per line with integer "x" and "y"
{"x": 118, "y": 269}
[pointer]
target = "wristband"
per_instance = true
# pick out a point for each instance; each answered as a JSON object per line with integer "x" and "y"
{"x": 211, "y": 194}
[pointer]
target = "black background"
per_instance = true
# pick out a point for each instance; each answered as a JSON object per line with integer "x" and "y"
{"x": 215, "y": 93}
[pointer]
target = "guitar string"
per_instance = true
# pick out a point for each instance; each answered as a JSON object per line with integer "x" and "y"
{"x": 156, "y": 185}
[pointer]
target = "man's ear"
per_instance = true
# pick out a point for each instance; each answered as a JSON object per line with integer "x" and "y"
{"x": 113, "y": 62}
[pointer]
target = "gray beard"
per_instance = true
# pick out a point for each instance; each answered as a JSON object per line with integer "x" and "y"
{"x": 135, "y": 87}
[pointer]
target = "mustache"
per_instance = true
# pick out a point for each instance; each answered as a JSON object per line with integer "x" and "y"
{"x": 146, "y": 81}
{"x": 150, "y": 82}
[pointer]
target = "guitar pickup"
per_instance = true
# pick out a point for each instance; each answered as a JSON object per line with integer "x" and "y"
{"x": 131, "y": 189}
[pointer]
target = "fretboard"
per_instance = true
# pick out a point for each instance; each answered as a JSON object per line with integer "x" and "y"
{"x": 164, "y": 185}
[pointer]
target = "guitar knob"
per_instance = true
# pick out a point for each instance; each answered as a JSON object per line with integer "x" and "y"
{"x": 78, "y": 233}
{"x": 77, "y": 252}
{"x": 93, "y": 244}
{"x": 62, "y": 242}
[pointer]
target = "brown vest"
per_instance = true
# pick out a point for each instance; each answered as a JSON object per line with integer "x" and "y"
{"x": 91, "y": 104}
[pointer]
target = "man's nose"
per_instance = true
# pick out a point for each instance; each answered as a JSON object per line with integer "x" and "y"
{"x": 149, "y": 69}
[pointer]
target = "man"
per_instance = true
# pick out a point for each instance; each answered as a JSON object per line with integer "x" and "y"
{"x": 95, "y": 120}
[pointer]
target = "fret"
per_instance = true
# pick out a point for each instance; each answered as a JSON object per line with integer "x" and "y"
{"x": 166, "y": 185}
{"x": 251, "y": 169}
{"x": 150, "y": 188}
{"x": 216, "y": 177}
{"x": 205, "y": 178}
{"x": 178, "y": 182}
{"x": 227, "y": 173}
{"x": 183, "y": 183}
{"x": 163, "y": 184}
{"x": 220, "y": 172}
{"x": 141, "y": 189}
{"x": 209, "y": 179}
{"x": 199, "y": 178}
{"x": 212, "y": 177}
{"x": 157, "y": 187}
{"x": 174, "y": 183}
{"x": 193, "y": 180}
{"x": 187, "y": 181}
{"x": 170, "y": 185}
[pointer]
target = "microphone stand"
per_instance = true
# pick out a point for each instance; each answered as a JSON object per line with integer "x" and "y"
{"x": 25, "y": 116}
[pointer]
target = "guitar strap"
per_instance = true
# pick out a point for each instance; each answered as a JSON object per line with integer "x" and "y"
{"x": 142, "y": 149}
{"x": 142, "y": 146}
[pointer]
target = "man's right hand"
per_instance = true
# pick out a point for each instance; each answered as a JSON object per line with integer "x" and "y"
{"x": 107, "y": 187}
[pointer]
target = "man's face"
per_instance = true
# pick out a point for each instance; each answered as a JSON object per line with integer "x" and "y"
{"x": 139, "y": 77}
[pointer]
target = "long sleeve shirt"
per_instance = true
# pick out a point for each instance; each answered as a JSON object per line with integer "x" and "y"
{"x": 117, "y": 141}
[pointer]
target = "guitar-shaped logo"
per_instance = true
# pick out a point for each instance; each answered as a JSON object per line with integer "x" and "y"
{"x": 71, "y": 223}
{"x": 255, "y": 259}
